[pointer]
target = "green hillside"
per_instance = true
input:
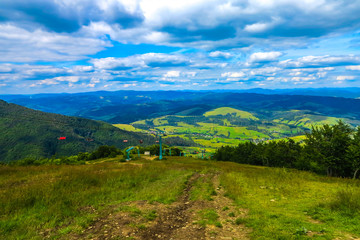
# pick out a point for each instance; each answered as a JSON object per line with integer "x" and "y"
{"x": 29, "y": 133}
{"x": 232, "y": 111}
{"x": 305, "y": 119}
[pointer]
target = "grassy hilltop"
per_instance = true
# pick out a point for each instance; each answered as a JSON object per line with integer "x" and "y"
{"x": 178, "y": 198}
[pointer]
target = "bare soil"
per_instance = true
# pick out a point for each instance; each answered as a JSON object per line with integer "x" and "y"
{"x": 142, "y": 220}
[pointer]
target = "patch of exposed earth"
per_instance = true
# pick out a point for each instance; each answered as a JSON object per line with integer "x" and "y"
{"x": 179, "y": 220}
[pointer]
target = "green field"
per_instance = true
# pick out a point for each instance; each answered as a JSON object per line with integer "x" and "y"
{"x": 222, "y": 200}
{"x": 128, "y": 127}
{"x": 231, "y": 111}
{"x": 229, "y": 126}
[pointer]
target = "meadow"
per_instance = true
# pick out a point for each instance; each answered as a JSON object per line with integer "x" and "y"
{"x": 70, "y": 201}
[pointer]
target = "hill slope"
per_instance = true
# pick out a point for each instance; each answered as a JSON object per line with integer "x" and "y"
{"x": 179, "y": 198}
{"x": 232, "y": 111}
{"x": 26, "y": 132}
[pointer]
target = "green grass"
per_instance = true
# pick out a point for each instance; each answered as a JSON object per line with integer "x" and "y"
{"x": 298, "y": 118}
{"x": 160, "y": 121}
{"x": 208, "y": 217}
{"x": 228, "y": 110}
{"x": 279, "y": 203}
{"x": 282, "y": 203}
{"x": 203, "y": 189}
{"x": 128, "y": 127}
{"x": 54, "y": 197}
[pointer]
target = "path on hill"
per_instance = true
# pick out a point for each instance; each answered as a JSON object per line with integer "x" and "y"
{"x": 179, "y": 220}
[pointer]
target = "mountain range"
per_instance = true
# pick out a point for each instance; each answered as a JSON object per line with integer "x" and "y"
{"x": 130, "y": 106}
{"x": 86, "y": 119}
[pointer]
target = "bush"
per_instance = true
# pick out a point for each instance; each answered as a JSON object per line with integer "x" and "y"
{"x": 346, "y": 201}
{"x": 104, "y": 152}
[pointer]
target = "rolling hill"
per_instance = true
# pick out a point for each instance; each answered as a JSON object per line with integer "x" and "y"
{"x": 226, "y": 110}
{"x": 230, "y": 126}
{"x": 30, "y": 133}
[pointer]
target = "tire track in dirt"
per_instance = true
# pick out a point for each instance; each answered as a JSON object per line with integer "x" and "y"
{"x": 230, "y": 216}
{"x": 177, "y": 221}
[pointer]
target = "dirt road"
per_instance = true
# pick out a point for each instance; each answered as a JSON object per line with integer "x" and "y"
{"x": 180, "y": 220}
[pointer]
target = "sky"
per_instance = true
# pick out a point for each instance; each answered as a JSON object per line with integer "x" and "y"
{"x": 50, "y": 46}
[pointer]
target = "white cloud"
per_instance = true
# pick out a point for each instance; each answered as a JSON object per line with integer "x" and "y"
{"x": 264, "y": 56}
{"x": 20, "y": 45}
{"x": 141, "y": 60}
{"x": 343, "y": 78}
{"x": 80, "y": 68}
{"x": 220, "y": 54}
{"x": 265, "y": 71}
{"x": 5, "y": 68}
{"x": 233, "y": 74}
{"x": 129, "y": 85}
{"x": 72, "y": 79}
{"x": 324, "y": 62}
{"x": 297, "y": 79}
{"x": 190, "y": 74}
{"x": 117, "y": 63}
{"x": 357, "y": 67}
{"x": 172, "y": 74}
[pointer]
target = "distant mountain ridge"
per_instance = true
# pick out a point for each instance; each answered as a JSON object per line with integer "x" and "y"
{"x": 131, "y": 106}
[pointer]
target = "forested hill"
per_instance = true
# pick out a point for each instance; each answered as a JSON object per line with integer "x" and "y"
{"x": 30, "y": 133}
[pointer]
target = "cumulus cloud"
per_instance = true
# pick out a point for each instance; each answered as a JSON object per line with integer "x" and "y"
{"x": 265, "y": 71}
{"x": 20, "y": 45}
{"x": 321, "y": 61}
{"x": 5, "y": 68}
{"x": 185, "y": 22}
{"x": 220, "y": 54}
{"x": 153, "y": 60}
{"x": 260, "y": 57}
{"x": 172, "y": 74}
{"x": 176, "y": 41}
{"x": 233, "y": 74}
{"x": 343, "y": 78}
{"x": 69, "y": 16}
{"x": 353, "y": 67}
{"x": 81, "y": 68}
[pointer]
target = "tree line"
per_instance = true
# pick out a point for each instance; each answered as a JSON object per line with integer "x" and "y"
{"x": 332, "y": 150}
{"x": 101, "y": 152}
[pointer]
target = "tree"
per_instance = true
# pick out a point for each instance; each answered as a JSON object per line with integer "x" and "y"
{"x": 328, "y": 146}
{"x": 353, "y": 153}
{"x": 104, "y": 152}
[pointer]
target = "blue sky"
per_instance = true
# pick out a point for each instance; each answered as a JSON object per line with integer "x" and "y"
{"x": 82, "y": 45}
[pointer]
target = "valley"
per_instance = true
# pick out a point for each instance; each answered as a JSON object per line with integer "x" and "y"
{"x": 230, "y": 126}
{"x": 197, "y": 122}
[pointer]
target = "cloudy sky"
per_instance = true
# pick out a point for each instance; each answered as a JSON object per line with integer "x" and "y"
{"x": 84, "y": 45}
